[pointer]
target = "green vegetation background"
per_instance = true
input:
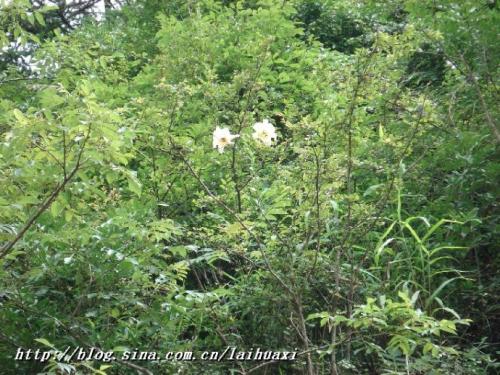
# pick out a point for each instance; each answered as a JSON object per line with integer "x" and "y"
{"x": 366, "y": 236}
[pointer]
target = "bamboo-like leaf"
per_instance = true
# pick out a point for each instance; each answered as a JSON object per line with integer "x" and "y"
{"x": 438, "y": 290}
{"x": 438, "y": 249}
{"x": 436, "y": 226}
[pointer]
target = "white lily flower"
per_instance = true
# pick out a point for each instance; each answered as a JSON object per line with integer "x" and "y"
{"x": 222, "y": 137}
{"x": 450, "y": 64}
{"x": 264, "y": 132}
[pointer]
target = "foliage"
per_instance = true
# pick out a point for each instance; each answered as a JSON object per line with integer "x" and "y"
{"x": 349, "y": 211}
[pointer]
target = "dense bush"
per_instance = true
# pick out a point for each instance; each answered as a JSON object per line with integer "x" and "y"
{"x": 309, "y": 176}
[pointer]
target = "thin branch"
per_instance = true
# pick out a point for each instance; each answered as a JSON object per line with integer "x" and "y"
{"x": 234, "y": 214}
{"x": 47, "y": 202}
{"x": 18, "y": 79}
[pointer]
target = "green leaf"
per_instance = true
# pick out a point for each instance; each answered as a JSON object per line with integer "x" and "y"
{"x": 134, "y": 184}
{"x": 19, "y": 116}
{"x": 45, "y": 342}
{"x": 439, "y": 289}
{"x": 436, "y": 226}
{"x": 179, "y": 250}
{"x": 39, "y": 18}
{"x": 49, "y": 98}
{"x": 427, "y": 347}
{"x": 379, "y": 250}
